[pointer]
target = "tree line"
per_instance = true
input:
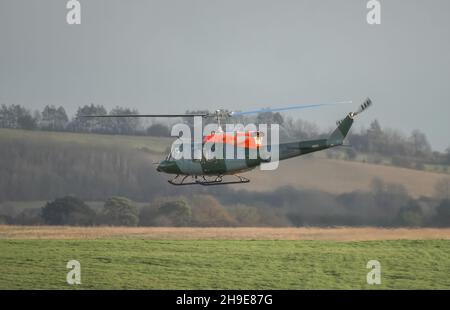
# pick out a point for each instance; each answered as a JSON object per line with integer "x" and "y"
{"x": 53, "y": 118}
{"x": 386, "y": 205}
{"x": 374, "y": 140}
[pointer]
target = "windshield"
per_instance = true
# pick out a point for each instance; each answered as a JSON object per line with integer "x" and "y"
{"x": 177, "y": 150}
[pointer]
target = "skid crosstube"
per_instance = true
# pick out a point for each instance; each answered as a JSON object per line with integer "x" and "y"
{"x": 203, "y": 180}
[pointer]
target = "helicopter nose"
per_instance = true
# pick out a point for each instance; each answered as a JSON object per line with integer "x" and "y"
{"x": 165, "y": 166}
{"x": 161, "y": 166}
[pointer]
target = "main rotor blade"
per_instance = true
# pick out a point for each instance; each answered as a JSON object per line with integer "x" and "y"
{"x": 295, "y": 107}
{"x": 148, "y": 115}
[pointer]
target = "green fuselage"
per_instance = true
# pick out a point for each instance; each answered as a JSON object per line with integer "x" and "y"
{"x": 215, "y": 166}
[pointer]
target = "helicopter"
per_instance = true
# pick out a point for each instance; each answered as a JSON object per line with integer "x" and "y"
{"x": 205, "y": 170}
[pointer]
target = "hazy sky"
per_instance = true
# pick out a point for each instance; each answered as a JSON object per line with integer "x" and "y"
{"x": 168, "y": 56}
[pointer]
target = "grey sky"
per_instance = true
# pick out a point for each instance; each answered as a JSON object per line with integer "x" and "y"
{"x": 168, "y": 56}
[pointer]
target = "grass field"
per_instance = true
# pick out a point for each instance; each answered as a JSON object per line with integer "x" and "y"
{"x": 153, "y": 144}
{"x": 228, "y": 258}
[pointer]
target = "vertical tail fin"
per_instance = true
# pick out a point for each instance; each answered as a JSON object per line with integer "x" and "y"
{"x": 339, "y": 134}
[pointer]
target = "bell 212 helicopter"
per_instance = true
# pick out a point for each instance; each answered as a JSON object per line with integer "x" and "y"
{"x": 212, "y": 171}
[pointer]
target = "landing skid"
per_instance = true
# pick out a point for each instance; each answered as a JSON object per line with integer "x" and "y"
{"x": 206, "y": 180}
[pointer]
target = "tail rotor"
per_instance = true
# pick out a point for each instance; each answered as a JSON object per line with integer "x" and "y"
{"x": 365, "y": 105}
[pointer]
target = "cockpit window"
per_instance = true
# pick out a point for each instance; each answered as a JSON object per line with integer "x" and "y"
{"x": 177, "y": 150}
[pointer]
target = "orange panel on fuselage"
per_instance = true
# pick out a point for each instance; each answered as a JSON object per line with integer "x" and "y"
{"x": 241, "y": 139}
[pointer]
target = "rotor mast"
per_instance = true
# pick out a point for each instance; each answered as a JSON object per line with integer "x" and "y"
{"x": 219, "y": 115}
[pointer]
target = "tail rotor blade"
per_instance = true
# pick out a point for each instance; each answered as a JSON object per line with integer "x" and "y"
{"x": 365, "y": 105}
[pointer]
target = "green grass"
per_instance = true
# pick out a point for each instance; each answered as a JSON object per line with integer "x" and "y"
{"x": 152, "y": 144}
{"x": 150, "y": 264}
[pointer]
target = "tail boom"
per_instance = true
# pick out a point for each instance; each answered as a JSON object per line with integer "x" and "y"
{"x": 337, "y": 137}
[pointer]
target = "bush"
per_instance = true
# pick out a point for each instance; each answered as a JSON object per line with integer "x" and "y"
{"x": 119, "y": 211}
{"x": 401, "y": 162}
{"x": 411, "y": 215}
{"x": 208, "y": 212}
{"x": 29, "y": 217}
{"x": 419, "y": 165}
{"x": 377, "y": 159}
{"x": 68, "y": 211}
{"x": 4, "y": 219}
{"x": 247, "y": 216}
{"x": 351, "y": 153}
{"x": 442, "y": 217}
{"x": 174, "y": 213}
{"x": 442, "y": 189}
{"x": 166, "y": 212}
{"x": 148, "y": 215}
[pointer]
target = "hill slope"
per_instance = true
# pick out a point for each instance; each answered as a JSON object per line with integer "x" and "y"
{"x": 30, "y": 156}
{"x": 339, "y": 176}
